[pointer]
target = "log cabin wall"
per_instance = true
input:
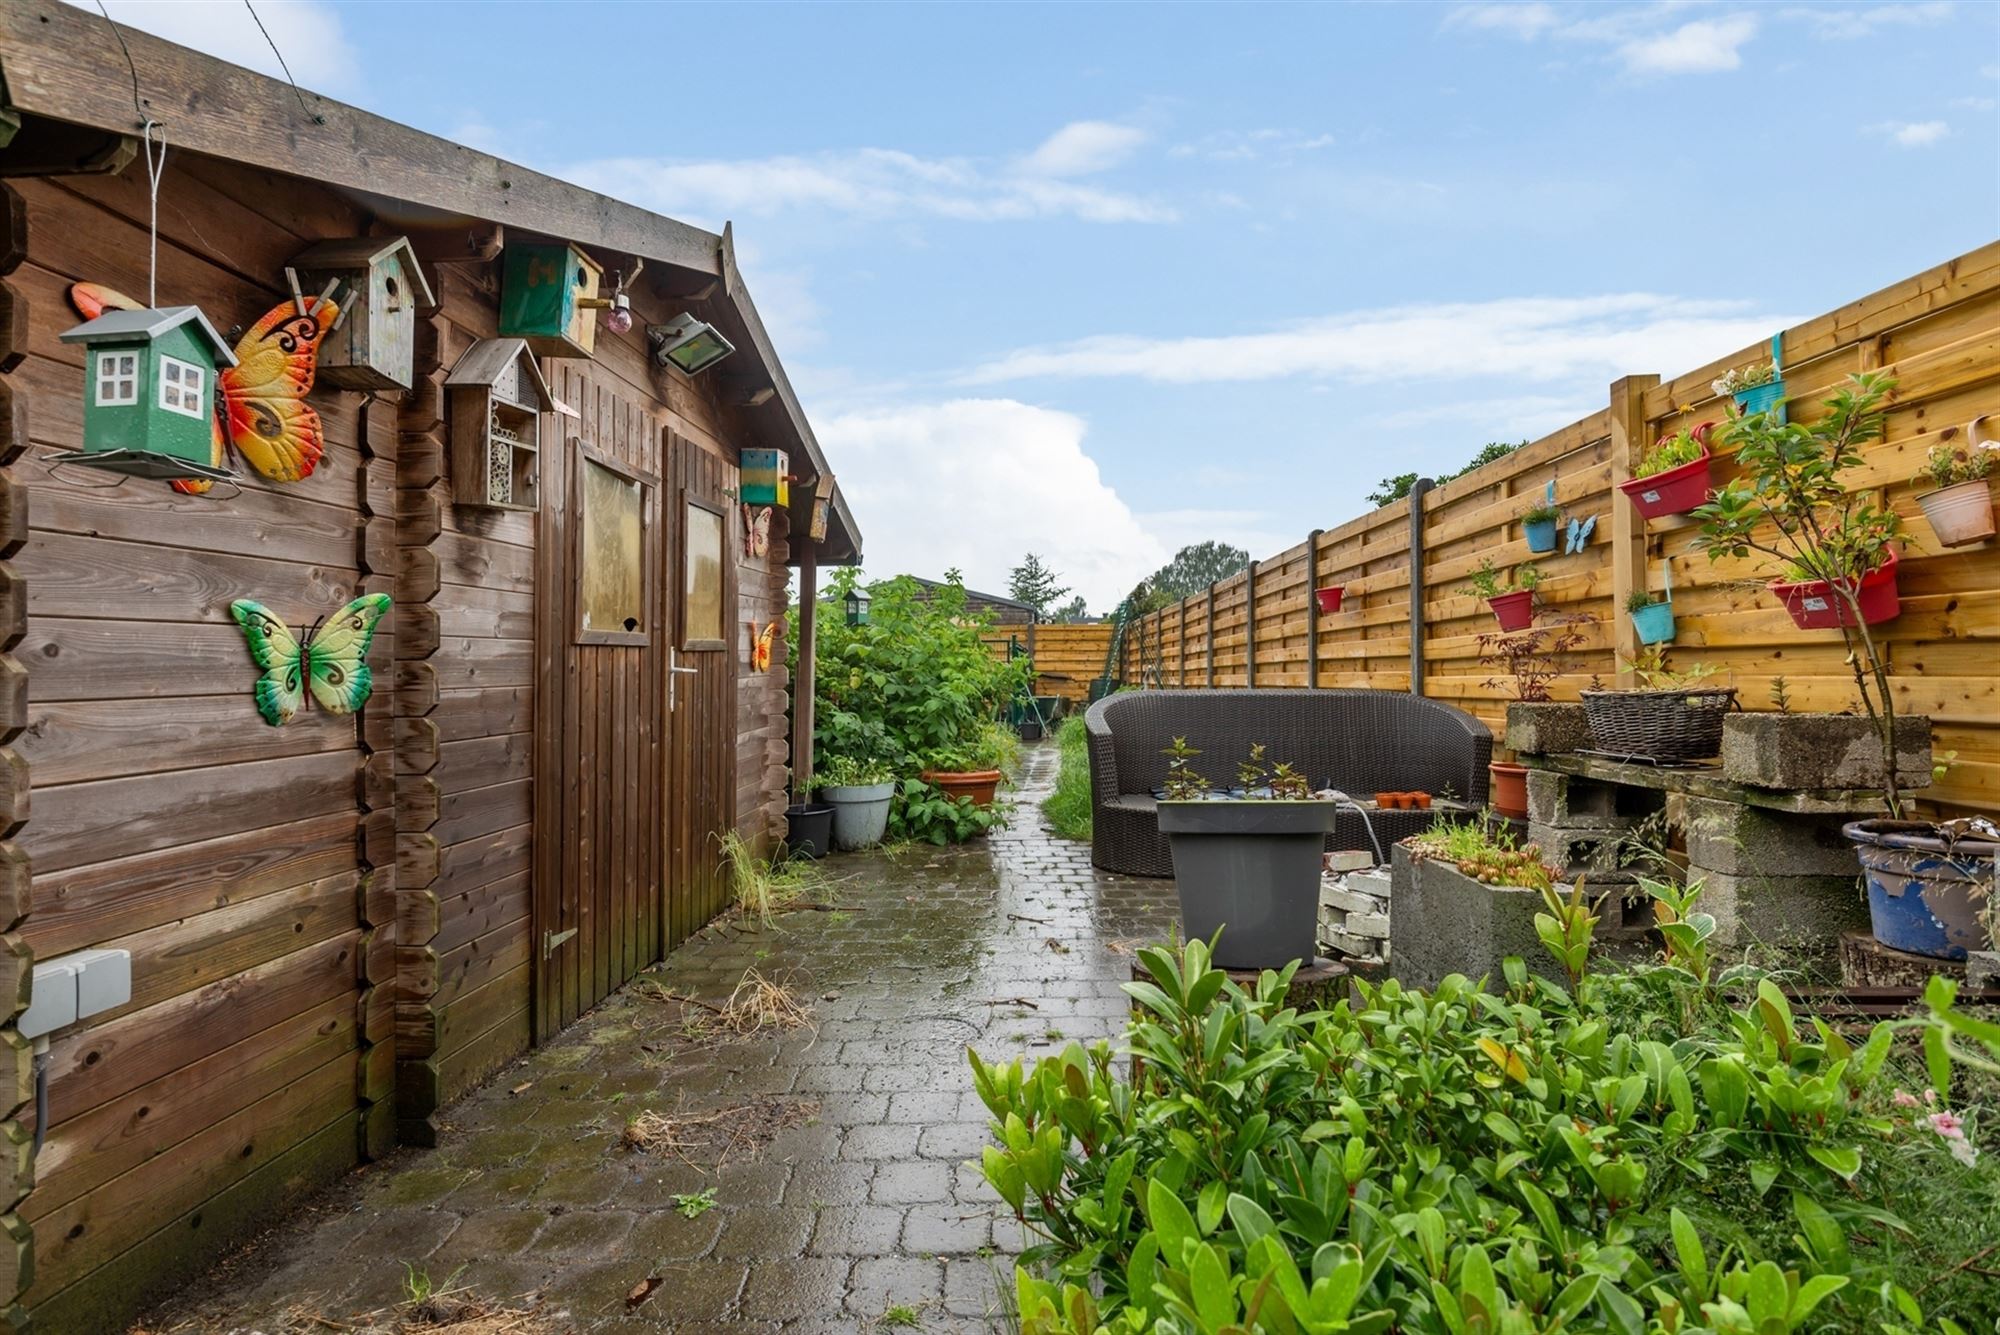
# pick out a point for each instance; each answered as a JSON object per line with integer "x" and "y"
{"x": 330, "y": 922}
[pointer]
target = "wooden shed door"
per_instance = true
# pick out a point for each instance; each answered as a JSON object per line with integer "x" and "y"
{"x": 700, "y": 787}
{"x": 603, "y": 633}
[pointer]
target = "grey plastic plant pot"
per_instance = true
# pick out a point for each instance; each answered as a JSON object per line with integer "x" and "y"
{"x": 860, "y": 814}
{"x": 1251, "y": 868}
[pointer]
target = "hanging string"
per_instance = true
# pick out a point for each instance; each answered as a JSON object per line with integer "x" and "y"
{"x": 155, "y": 164}
{"x": 310, "y": 114}
{"x": 137, "y": 105}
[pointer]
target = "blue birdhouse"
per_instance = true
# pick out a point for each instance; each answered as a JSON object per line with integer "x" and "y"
{"x": 149, "y": 393}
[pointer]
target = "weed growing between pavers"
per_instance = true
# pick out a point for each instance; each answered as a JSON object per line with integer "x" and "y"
{"x": 756, "y": 1004}
{"x": 708, "y": 1140}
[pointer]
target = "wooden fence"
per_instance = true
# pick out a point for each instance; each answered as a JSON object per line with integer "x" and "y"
{"x": 1067, "y": 657}
{"x": 1938, "y": 333}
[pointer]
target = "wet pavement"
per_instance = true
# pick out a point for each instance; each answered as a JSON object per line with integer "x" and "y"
{"x": 860, "y": 1213}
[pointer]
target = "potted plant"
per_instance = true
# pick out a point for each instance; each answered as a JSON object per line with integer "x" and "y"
{"x": 1960, "y": 507}
{"x": 1248, "y": 859}
{"x": 809, "y": 829}
{"x": 1757, "y": 388}
{"x": 975, "y": 769}
{"x": 1538, "y": 525}
{"x": 1668, "y": 716}
{"x": 1328, "y": 598}
{"x": 859, "y": 792}
{"x": 1652, "y": 618}
{"x": 1463, "y": 896}
{"x": 1672, "y": 479}
{"x": 1513, "y": 603}
{"x": 1529, "y": 661}
{"x": 1791, "y": 504}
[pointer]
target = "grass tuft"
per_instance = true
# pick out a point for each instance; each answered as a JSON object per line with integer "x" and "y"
{"x": 764, "y": 888}
{"x": 1068, "y": 807}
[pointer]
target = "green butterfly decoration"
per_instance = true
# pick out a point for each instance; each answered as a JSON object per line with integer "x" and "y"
{"x": 333, "y": 665}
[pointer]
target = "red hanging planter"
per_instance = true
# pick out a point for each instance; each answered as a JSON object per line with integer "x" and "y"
{"x": 1674, "y": 492}
{"x": 1328, "y": 598}
{"x": 1514, "y": 611}
{"x": 1815, "y": 606}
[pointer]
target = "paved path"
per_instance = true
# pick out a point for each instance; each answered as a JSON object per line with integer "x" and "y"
{"x": 864, "y": 1205}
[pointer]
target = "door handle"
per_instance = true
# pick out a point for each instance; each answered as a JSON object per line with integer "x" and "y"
{"x": 674, "y": 674}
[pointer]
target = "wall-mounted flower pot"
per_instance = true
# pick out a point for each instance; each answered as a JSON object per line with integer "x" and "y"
{"x": 1765, "y": 398}
{"x": 977, "y": 784}
{"x": 1655, "y": 623}
{"x": 1541, "y": 535}
{"x": 1674, "y": 492}
{"x": 1328, "y": 598}
{"x": 1815, "y": 606}
{"x": 1252, "y": 869}
{"x": 860, "y": 813}
{"x": 1514, "y": 611}
{"x": 1924, "y": 893}
{"x": 1960, "y": 514}
{"x": 809, "y": 829}
{"x": 1510, "y": 789}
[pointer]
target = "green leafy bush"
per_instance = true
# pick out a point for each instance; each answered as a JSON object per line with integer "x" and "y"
{"x": 1683, "y": 447}
{"x": 1068, "y": 807}
{"x": 1629, "y": 1153}
{"x": 925, "y": 813}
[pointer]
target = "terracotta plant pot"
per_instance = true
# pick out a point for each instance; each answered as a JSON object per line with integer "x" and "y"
{"x": 1328, "y": 598}
{"x": 1385, "y": 801}
{"x": 1419, "y": 801}
{"x": 1510, "y": 789}
{"x": 1514, "y": 611}
{"x": 1814, "y": 605}
{"x": 1960, "y": 514}
{"x": 977, "y": 784}
{"x": 1674, "y": 492}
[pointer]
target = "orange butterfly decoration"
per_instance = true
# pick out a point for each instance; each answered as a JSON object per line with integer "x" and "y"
{"x": 756, "y": 530}
{"x": 760, "y": 645}
{"x": 260, "y": 402}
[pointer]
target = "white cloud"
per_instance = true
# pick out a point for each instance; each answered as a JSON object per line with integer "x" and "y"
{"x": 864, "y": 182}
{"x": 1524, "y": 21}
{"x": 1083, "y": 147}
{"x": 1842, "y": 22}
{"x": 976, "y": 483}
{"x": 1912, "y": 134}
{"x": 1518, "y": 415}
{"x": 1975, "y": 103}
{"x": 307, "y": 31}
{"x": 1704, "y": 46}
{"x": 1248, "y": 145}
{"x": 1545, "y": 339}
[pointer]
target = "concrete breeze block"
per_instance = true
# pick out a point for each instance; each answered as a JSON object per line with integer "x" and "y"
{"x": 1444, "y": 922}
{"x": 1749, "y": 841}
{"x": 1546, "y": 728}
{"x": 1809, "y": 751}
{"x": 1789, "y": 912}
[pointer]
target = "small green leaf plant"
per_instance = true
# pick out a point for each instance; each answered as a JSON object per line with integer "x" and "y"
{"x": 1485, "y": 580}
{"x": 1669, "y": 452}
{"x": 1948, "y": 465}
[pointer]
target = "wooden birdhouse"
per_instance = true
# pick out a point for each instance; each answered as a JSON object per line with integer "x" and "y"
{"x": 373, "y": 343}
{"x": 496, "y": 396}
{"x": 763, "y": 479}
{"x": 548, "y": 296}
{"x": 149, "y": 393}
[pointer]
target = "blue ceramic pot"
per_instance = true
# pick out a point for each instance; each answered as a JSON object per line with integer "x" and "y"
{"x": 1762, "y": 399}
{"x": 1655, "y": 623}
{"x": 1923, "y": 893}
{"x": 1541, "y": 535}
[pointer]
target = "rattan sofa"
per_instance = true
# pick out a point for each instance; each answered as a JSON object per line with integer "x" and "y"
{"x": 1360, "y": 742}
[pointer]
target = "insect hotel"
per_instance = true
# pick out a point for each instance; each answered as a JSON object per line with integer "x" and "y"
{"x": 343, "y": 795}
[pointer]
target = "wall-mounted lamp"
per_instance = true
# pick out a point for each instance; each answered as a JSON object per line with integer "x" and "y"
{"x": 857, "y": 607}
{"x": 688, "y": 343}
{"x": 617, "y": 307}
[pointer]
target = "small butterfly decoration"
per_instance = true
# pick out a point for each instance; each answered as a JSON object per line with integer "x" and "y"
{"x": 756, "y": 530}
{"x": 760, "y": 645}
{"x": 1578, "y": 535}
{"x": 260, "y": 405}
{"x": 331, "y": 666}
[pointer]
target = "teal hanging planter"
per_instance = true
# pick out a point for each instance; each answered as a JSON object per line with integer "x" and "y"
{"x": 1541, "y": 535}
{"x": 1768, "y": 397}
{"x": 1654, "y": 622}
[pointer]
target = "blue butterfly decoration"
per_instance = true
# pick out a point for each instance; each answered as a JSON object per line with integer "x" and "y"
{"x": 1578, "y": 537}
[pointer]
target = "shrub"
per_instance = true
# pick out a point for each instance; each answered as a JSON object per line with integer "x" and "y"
{"x": 1068, "y": 807}
{"x": 1628, "y": 1154}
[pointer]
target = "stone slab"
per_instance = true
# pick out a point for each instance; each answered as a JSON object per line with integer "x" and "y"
{"x": 1805, "y": 751}
{"x": 1546, "y": 727}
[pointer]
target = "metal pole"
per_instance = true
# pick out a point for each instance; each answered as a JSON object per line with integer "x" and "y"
{"x": 1211, "y": 635}
{"x": 1312, "y": 610}
{"x": 1250, "y": 627}
{"x": 1423, "y": 485}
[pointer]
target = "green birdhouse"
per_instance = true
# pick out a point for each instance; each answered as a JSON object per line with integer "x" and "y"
{"x": 548, "y": 296}
{"x": 149, "y": 393}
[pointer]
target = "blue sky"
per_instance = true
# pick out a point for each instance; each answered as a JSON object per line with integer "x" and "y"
{"x": 1098, "y": 281}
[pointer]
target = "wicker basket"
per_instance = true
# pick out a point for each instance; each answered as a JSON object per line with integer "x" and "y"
{"x": 1659, "y": 725}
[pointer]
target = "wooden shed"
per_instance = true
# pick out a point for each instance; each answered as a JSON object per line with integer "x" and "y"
{"x": 336, "y": 926}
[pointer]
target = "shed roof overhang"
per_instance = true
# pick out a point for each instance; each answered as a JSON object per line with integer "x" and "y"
{"x": 64, "y": 64}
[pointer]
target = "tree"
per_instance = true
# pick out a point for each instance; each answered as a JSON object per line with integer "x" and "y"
{"x": 1392, "y": 489}
{"x": 1035, "y": 584}
{"x": 1073, "y": 610}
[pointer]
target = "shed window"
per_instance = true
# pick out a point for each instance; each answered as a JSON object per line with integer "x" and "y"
{"x": 611, "y": 554}
{"x": 117, "y": 378}
{"x": 180, "y": 386}
{"x": 701, "y": 579}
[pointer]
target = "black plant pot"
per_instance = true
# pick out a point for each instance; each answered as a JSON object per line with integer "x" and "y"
{"x": 1251, "y": 868}
{"x": 809, "y": 829}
